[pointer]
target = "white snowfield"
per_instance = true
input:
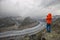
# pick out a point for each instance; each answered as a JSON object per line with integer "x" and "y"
{"x": 29, "y": 31}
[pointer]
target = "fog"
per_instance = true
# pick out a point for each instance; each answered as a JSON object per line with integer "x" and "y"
{"x": 29, "y": 7}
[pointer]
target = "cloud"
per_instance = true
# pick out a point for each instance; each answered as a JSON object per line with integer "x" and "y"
{"x": 29, "y": 7}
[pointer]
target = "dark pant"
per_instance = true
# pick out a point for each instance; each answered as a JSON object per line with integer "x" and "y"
{"x": 48, "y": 27}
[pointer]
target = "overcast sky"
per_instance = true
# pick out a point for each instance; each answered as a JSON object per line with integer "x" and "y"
{"x": 29, "y": 7}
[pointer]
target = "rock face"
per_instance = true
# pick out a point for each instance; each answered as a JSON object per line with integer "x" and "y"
{"x": 42, "y": 35}
{"x": 16, "y": 23}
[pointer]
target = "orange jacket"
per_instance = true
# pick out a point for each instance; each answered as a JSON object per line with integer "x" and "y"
{"x": 49, "y": 18}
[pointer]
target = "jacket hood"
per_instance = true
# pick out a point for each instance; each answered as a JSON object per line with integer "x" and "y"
{"x": 49, "y": 14}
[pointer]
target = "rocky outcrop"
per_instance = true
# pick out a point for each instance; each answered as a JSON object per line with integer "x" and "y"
{"x": 42, "y": 35}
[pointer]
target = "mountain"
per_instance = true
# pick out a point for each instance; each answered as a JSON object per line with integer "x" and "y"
{"x": 9, "y": 21}
{"x": 28, "y": 21}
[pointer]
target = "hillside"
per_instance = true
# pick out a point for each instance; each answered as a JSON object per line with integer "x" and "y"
{"x": 16, "y": 23}
{"x": 55, "y": 32}
{"x": 42, "y": 35}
